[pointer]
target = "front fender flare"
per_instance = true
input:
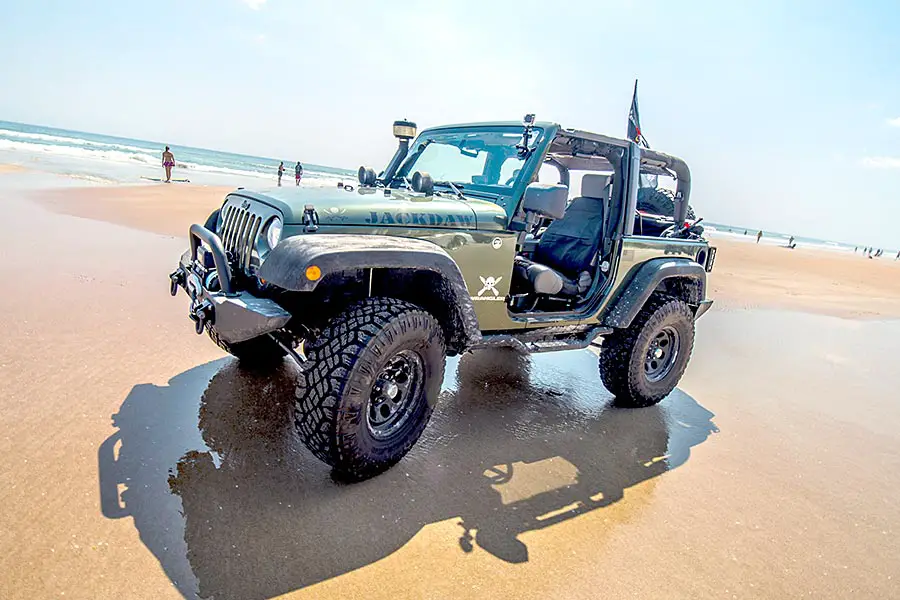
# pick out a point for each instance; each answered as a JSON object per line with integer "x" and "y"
{"x": 638, "y": 287}
{"x": 286, "y": 265}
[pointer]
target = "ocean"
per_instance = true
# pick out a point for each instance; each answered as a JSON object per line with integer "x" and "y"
{"x": 115, "y": 160}
{"x": 104, "y": 159}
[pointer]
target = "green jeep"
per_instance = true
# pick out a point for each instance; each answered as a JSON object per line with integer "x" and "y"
{"x": 455, "y": 246}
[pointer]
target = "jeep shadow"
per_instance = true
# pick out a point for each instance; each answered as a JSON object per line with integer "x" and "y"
{"x": 507, "y": 452}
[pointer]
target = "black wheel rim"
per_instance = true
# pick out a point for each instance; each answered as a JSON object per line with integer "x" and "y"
{"x": 394, "y": 394}
{"x": 662, "y": 354}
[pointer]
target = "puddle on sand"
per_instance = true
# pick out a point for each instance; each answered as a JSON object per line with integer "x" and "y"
{"x": 231, "y": 504}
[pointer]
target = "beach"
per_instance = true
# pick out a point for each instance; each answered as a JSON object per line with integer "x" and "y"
{"x": 746, "y": 275}
{"x": 141, "y": 462}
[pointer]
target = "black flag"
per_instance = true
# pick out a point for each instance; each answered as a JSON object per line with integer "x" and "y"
{"x": 634, "y": 121}
{"x": 635, "y": 135}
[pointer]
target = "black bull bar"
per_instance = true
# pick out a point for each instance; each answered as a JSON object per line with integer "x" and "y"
{"x": 236, "y": 316}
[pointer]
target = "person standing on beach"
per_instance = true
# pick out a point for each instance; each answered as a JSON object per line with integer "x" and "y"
{"x": 168, "y": 161}
{"x": 280, "y": 172}
{"x": 758, "y": 236}
{"x": 298, "y": 172}
{"x": 898, "y": 256}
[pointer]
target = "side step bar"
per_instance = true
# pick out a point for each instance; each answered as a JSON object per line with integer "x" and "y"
{"x": 548, "y": 339}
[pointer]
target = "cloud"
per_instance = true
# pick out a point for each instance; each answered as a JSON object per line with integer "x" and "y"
{"x": 881, "y": 162}
{"x": 254, "y": 4}
{"x": 895, "y": 122}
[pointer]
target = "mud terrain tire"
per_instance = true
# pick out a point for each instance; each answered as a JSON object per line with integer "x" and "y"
{"x": 351, "y": 409}
{"x": 658, "y": 201}
{"x": 641, "y": 365}
{"x": 258, "y": 353}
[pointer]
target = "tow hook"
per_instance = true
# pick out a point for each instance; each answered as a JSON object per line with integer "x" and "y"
{"x": 201, "y": 314}
{"x": 176, "y": 279}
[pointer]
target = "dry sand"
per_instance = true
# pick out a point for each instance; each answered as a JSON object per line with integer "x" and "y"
{"x": 167, "y": 209}
{"x": 141, "y": 463}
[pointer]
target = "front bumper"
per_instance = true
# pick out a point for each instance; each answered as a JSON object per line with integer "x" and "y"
{"x": 205, "y": 274}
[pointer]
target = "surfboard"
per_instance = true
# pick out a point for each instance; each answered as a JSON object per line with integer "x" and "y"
{"x": 160, "y": 179}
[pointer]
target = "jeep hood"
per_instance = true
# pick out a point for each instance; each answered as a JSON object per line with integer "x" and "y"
{"x": 371, "y": 207}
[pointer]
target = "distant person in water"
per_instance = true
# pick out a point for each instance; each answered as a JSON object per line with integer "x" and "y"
{"x": 280, "y": 172}
{"x": 758, "y": 236}
{"x": 168, "y": 161}
{"x": 298, "y": 172}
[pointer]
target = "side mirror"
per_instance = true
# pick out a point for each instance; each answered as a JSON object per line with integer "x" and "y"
{"x": 546, "y": 200}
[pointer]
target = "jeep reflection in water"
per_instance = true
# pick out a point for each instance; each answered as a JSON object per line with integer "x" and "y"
{"x": 455, "y": 245}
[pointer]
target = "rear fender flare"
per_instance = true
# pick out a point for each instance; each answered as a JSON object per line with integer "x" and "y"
{"x": 646, "y": 279}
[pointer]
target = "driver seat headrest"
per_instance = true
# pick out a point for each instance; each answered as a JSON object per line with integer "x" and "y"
{"x": 596, "y": 186}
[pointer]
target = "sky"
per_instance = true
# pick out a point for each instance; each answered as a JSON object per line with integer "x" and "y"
{"x": 788, "y": 113}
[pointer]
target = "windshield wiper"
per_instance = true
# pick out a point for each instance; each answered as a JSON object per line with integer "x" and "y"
{"x": 453, "y": 187}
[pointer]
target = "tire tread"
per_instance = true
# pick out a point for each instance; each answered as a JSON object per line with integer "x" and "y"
{"x": 332, "y": 357}
{"x": 617, "y": 362}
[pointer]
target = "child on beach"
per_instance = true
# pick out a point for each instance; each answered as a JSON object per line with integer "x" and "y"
{"x": 280, "y": 172}
{"x": 298, "y": 172}
{"x": 168, "y": 161}
{"x": 758, "y": 236}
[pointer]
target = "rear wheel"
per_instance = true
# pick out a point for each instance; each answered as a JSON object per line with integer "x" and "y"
{"x": 641, "y": 365}
{"x": 370, "y": 386}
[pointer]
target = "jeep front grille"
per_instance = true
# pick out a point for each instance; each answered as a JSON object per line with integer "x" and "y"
{"x": 240, "y": 228}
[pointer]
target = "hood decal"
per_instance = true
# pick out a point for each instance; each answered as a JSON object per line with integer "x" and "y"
{"x": 421, "y": 219}
{"x": 366, "y": 207}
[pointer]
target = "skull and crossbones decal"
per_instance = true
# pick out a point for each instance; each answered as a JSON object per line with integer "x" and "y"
{"x": 490, "y": 284}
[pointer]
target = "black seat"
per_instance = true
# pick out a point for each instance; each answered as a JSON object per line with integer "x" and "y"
{"x": 563, "y": 260}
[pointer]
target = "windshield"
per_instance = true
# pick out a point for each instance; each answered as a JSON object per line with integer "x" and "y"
{"x": 471, "y": 159}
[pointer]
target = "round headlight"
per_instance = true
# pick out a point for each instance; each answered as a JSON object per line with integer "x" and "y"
{"x": 273, "y": 232}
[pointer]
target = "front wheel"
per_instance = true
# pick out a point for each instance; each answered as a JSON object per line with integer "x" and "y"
{"x": 641, "y": 365}
{"x": 370, "y": 386}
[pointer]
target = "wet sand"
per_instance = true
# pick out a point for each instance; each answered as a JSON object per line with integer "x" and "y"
{"x": 140, "y": 462}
